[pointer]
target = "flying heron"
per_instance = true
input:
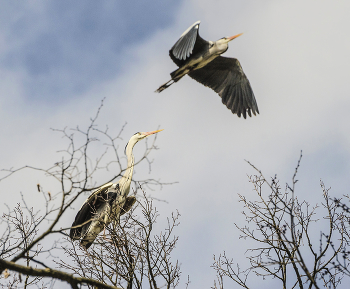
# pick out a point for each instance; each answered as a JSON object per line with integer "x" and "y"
{"x": 201, "y": 60}
{"x": 108, "y": 202}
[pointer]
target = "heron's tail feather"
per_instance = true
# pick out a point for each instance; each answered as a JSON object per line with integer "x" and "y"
{"x": 86, "y": 243}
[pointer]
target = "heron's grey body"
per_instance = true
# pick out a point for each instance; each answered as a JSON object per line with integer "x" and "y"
{"x": 103, "y": 205}
{"x": 107, "y": 203}
{"x": 201, "y": 60}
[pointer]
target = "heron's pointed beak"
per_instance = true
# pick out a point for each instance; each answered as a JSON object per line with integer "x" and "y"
{"x": 151, "y": 132}
{"x": 234, "y": 36}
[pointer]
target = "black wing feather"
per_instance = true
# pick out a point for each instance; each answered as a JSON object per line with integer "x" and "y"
{"x": 89, "y": 208}
{"x": 226, "y": 77}
{"x": 129, "y": 202}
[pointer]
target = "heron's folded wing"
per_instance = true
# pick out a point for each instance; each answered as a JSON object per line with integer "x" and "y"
{"x": 88, "y": 209}
{"x": 129, "y": 202}
{"x": 226, "y": 77}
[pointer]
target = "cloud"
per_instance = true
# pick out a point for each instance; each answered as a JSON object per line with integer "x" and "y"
{"x": 63, "y": 48}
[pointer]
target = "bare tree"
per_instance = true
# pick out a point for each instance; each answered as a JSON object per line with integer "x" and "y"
{"x": 130, "y": 255}
{"x": 134, "y": 253}
{"x": 32, "y": 236}
{"x": 283, "y": 228}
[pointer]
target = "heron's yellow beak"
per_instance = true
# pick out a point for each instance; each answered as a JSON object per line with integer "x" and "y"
{"x": 234, "y": 36}
{"x": 151, "y": 132}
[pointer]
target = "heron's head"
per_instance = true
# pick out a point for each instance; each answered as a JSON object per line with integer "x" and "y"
{"x": 228, "y": 39}
{"x": 139, "y": 136}
{"x": 222, "y": 44}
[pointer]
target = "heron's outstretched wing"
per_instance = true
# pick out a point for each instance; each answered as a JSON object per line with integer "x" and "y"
{"x": 189, "y": 43}
{"x": 89, "y": 209}
{"x": 226, "y": 77}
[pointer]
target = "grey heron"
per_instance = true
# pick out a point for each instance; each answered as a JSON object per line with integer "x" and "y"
{"x": 108, "y": 202}
{"x": 201, "y": 60}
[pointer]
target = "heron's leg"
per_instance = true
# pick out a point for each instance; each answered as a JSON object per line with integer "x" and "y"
{"x": 165, "y": 85}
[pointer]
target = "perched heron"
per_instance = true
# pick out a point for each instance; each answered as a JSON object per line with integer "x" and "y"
{"x": 108, "y": 202}
{"x": 201, "y": 60}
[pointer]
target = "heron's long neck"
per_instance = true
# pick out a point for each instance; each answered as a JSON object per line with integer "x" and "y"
{"x": 126, "y": 179}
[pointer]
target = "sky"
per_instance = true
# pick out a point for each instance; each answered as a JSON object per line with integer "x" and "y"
{"x": 58, "y": 60}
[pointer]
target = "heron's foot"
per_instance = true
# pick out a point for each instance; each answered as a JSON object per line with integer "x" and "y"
{"x": 165, "y": 85}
